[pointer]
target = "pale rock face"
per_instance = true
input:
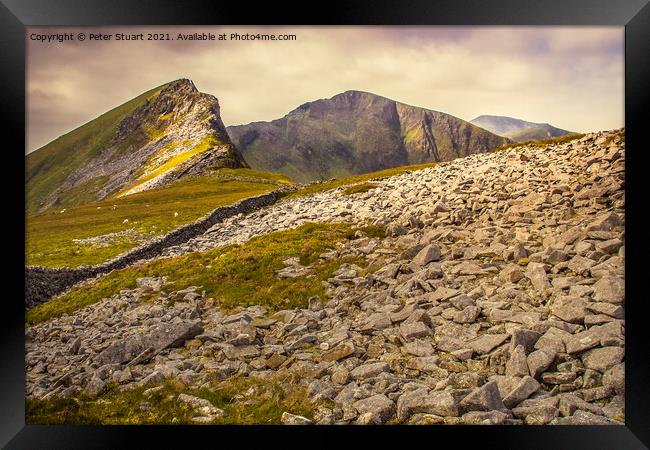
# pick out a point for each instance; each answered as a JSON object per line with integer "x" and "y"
{"x": 496, "y": 328}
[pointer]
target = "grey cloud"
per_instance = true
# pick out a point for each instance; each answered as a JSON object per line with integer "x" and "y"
{"x": 571, "y": 77}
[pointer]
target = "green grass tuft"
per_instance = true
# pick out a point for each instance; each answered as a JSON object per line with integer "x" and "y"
{"x": 359, "y": 188}
{"x": 255, "y": 174}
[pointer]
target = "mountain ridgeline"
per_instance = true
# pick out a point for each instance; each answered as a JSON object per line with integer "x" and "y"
{"x": 174, "y": 132}
{"x": 519, "y": 130}
{"x": 167, "y": 133}
{"x": 356, "y": 132}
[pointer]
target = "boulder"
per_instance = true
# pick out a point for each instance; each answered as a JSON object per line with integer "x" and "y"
{"x": 421, "y": 401}
{"x": 378, "y": 405}
{"x": 604, "y": 358}
{"x": 161, "y": 337}
{"x": 485, "y": 398}
{"x": 527, "y": 387}
{"x": 428, "y": 254}
{"x": 369, "y": 370}
{"x": 539, "y": 361}
{"x": 517, "y": 365}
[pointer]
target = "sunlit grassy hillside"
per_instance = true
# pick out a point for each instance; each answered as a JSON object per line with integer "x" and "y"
{"x": 147, "y": 214}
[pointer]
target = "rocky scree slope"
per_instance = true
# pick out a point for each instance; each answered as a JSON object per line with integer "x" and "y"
{"x": 518, "y": 130}
{"x": 356, "y": 132}
{"x": 496, "y": 298}
{"x": 170, "y": 132}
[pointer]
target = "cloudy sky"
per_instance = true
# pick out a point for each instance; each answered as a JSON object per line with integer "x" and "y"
{"x": 571, "y": 77}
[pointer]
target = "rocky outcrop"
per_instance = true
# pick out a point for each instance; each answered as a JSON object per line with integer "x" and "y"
{"x": 356, "y": 132}
{"x": 496, "y": 298}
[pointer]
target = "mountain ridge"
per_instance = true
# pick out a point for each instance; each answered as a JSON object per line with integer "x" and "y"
{"x": 517, "y": 129}
{"x": 356, "y": 132}
{"x": 149, "y": 141}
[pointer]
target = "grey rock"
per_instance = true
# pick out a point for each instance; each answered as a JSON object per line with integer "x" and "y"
{"x": 369, "y": 370}
{"x": 537, "y": 276}
{"x": 517, "y": 365}
{"x": 486, "y": 343}
{"x": 605, "y": 222}
{"x": 414, "y": 330}
{"x": 527, "y": 338}
{"x": 162, "y": 337}
{"x": 75, "y": 346}
{"x": 201, "y": 405}
{"x": 378, "y": 405}
{"x": 614, "y": 378}
{"x": 95, "y": 387}
{"x": 583, "y": 418}
{"x": 484, "y": 418}
{"x": 485, "y": 398}
{"x": 610, "y": 290}
{"x": 292, "y": 419}
{"x": 467, "y": 315}
{"x": 539, "y": 361}
{"x": 428, "y": 254}
{"x": 421, "y": 401}
{"x": 527, "y": 387}
{"x": 604, "y": 358}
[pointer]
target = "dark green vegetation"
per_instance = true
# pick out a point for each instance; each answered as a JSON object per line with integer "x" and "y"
{"x": 239, "y": 275}
{"x": 333, "y": 184}
{"x": 359, "y": 188}
{"x": 354, "y": 133}
{"x": 519, "y": 130}
{"x": 149, "y": 213}
{"x": 269, "y": 400}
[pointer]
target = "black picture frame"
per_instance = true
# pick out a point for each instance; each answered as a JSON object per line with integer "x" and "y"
{"x": 15, "y": 15}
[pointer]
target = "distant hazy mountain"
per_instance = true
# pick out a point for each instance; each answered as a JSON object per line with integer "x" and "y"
{"x": 164, "y": 134}
{"x": 356, "y": 132}
{"x": 518, "y": 130}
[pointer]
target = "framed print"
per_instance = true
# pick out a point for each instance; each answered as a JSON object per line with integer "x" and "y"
{"x": 384, "y": 219}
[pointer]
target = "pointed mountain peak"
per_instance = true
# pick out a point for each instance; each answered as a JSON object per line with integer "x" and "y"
{"x": 170, "y": 132}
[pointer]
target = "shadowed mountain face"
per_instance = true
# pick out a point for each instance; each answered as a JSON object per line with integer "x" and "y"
{"x": 518, "y": 130}
{"x": 164, "y": 134}
{"x": 356, "y": 132}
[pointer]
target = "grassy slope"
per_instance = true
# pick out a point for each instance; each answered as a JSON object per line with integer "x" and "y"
{"x": 234, "y": 276}
{"x": 250, "y": 173}
{"x": 50, "y": 234}
{"x": 333, "y": 184}
{"x": 48, "y": 166}
{"x": 271, "y": 399}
